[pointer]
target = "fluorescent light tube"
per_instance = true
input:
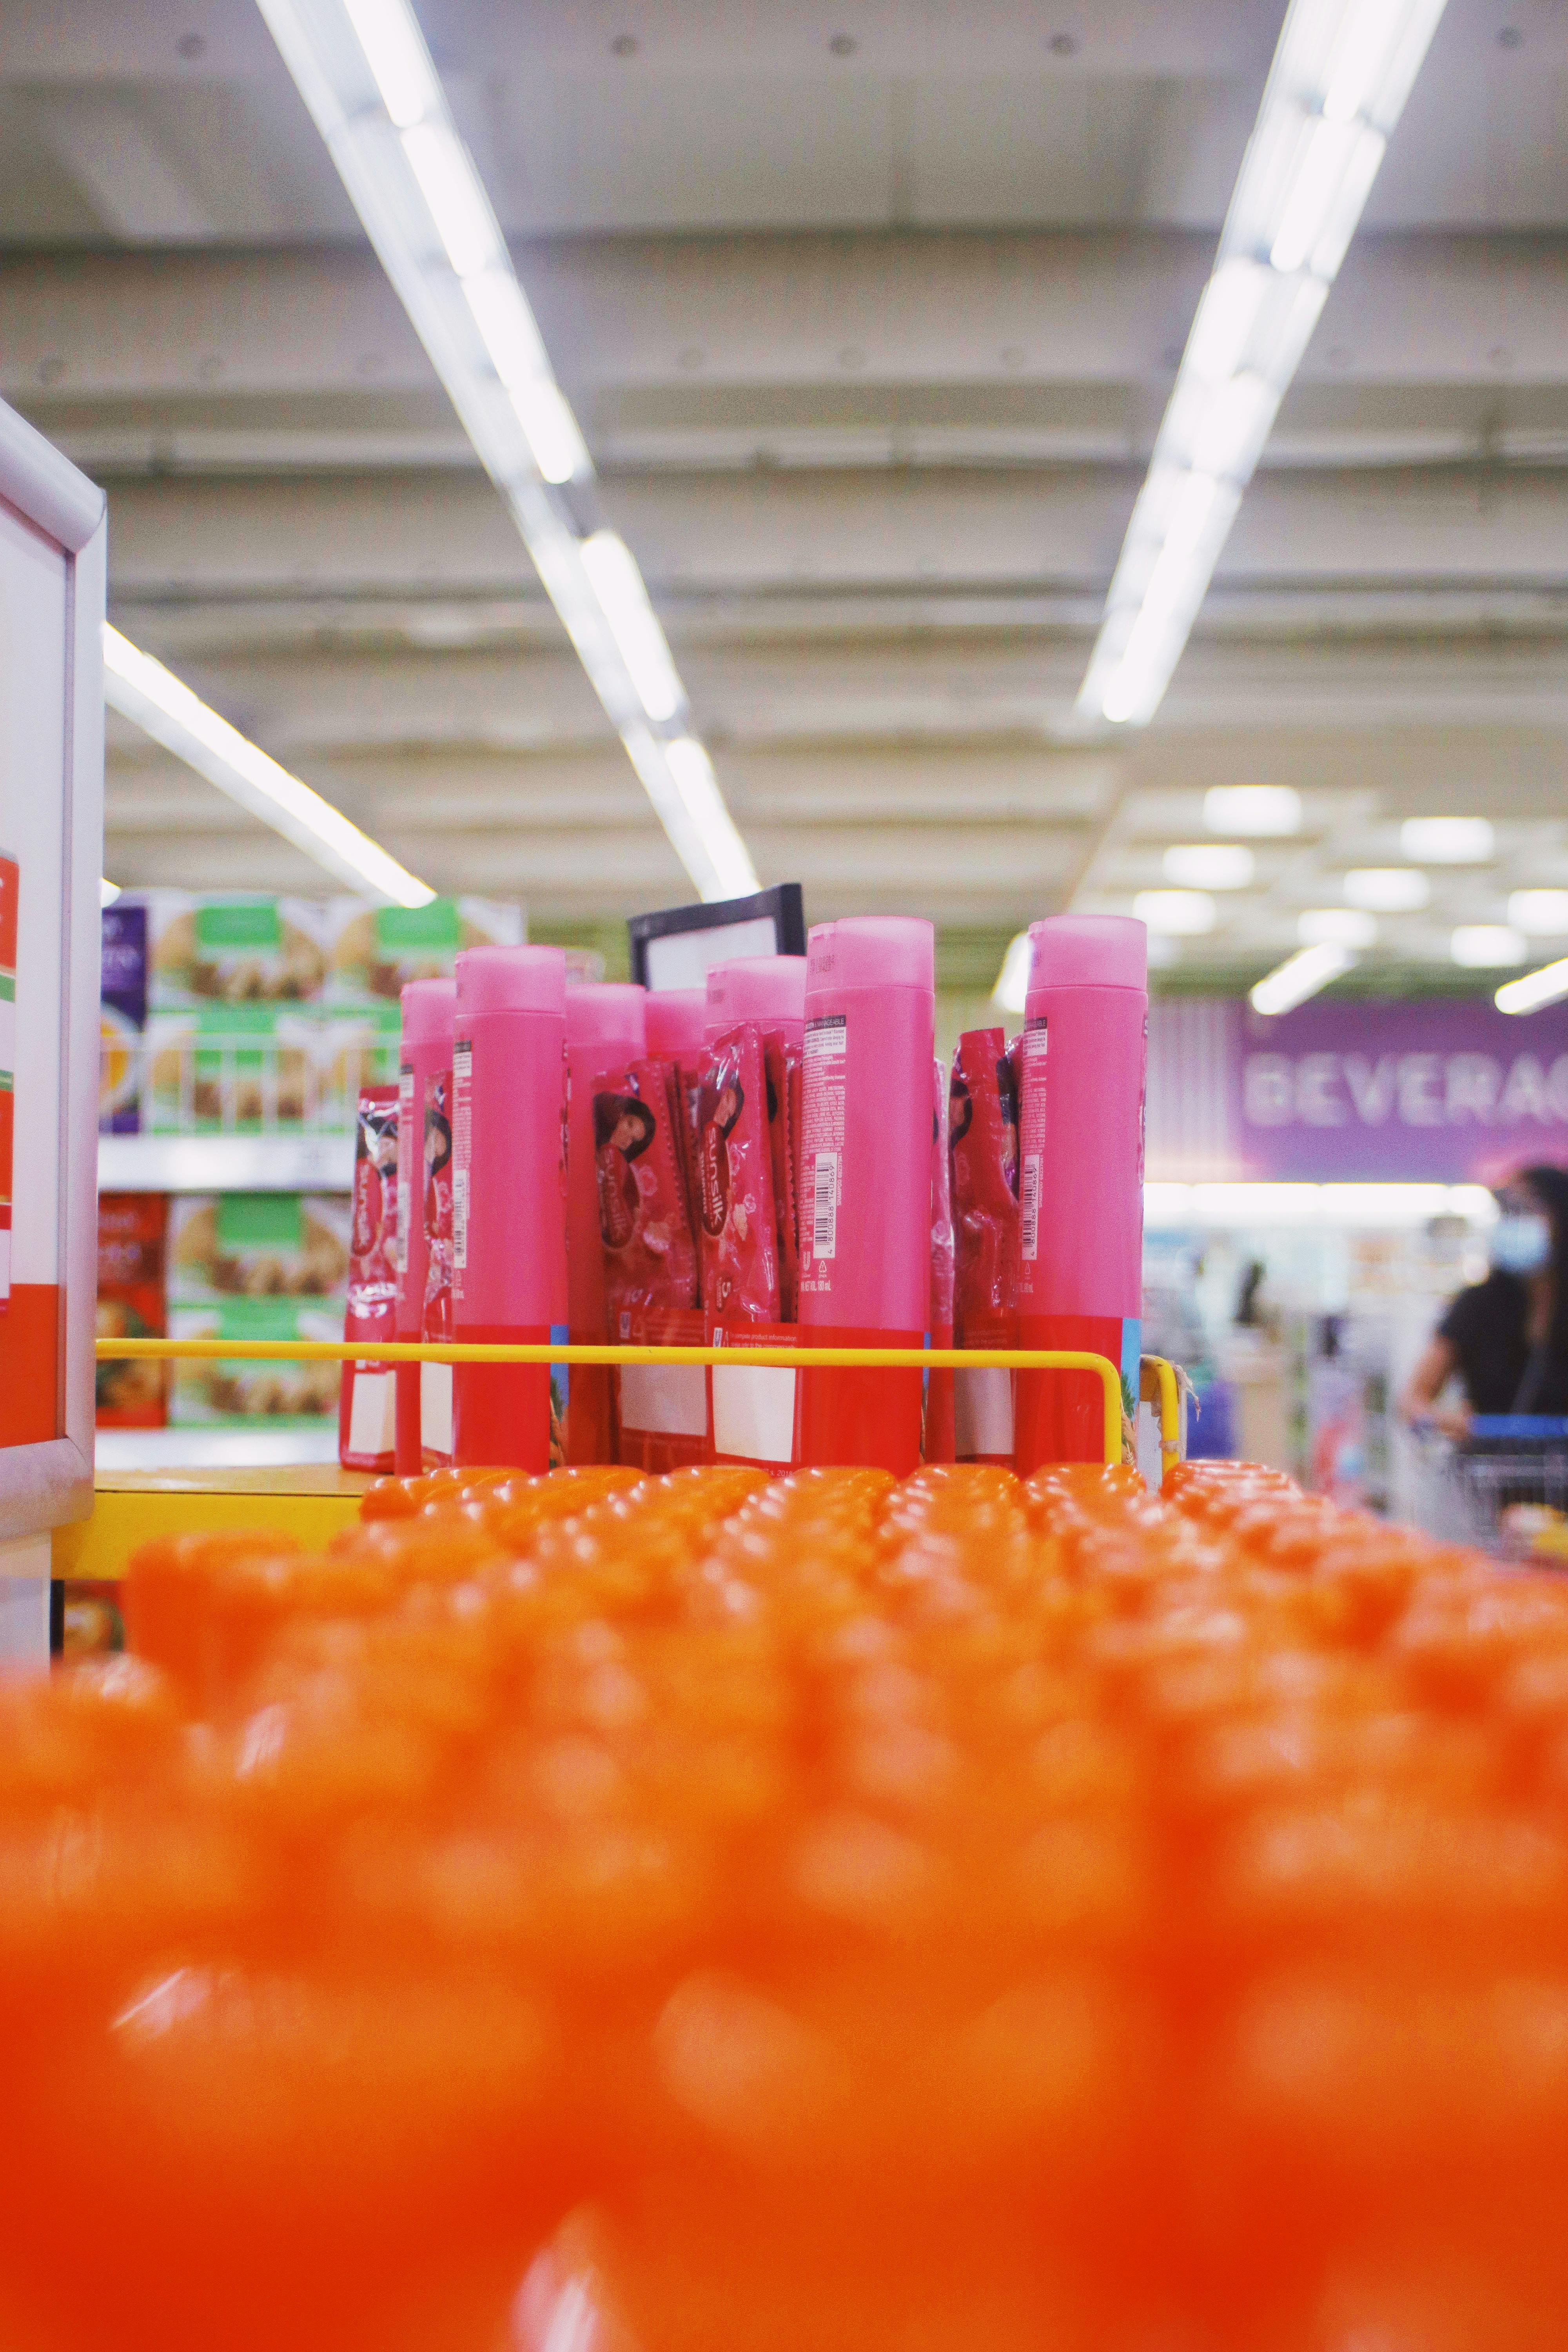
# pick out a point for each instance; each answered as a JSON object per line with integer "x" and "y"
{"x": 1341, "y": 71}
{"x": 1263, "y": 812}
{"x": 397, "y": 57}
{"x": 1320, "y": 163}
{"x": 1449, "y": 841}
{"x": 464, "y": 221}
{"x": 510, "y": 334}
{"x": 143, "y": 690}
{"x": 1012, "y": 980}
{"x": 1178, "y": 914}
{"x": 1300, "y": 976}
{"x": 1547, "y": 986}
{"x": 678, "y": 778}
{"x": 692, "y": 769}
{"x": 618, "y": 585}
{"x": 1339, "y": 926}
{"x": 552, "y": 430}
{"x": 1540, "y": 914}
{"x": 1387, "y": 890}
{"x": 1348, "y": 202}
{"x": 1210, "y": 866}
{"x": 1234, "y": 426}
{"x": 487, "y": 351}
{"x": 1480, "y": 946}
{"x": 1226, "y": 314}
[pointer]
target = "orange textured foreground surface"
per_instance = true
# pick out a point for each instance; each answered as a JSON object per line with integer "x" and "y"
{"x": 709, "y": 1915}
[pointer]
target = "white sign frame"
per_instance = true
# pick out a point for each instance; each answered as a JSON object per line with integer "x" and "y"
{"x": 47, "y": 1484}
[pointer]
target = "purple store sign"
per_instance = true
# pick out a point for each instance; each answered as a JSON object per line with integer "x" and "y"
{"x": 1447, "y": 1091}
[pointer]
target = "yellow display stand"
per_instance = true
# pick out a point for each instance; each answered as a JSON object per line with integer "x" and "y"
{"x": 132, "y": 1508}
{"x": 312, "y": 1504}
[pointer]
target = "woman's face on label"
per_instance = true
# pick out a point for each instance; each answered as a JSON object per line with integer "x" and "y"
{"x": 626, "y": 1133}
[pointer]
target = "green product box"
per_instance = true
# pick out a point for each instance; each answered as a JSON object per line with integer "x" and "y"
{"x": 257, "y": 1245}
{"x": 359, "y": 1048}
{"x": 237, "y": 948}
{"x": 373, "y": 952}
{"x": 233, "y": 1069}
{"x": 240, "y": 1391}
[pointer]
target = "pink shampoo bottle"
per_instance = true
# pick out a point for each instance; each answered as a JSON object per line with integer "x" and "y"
{"x": 1080, "y": 1175}
{"x": 767, "y": 991}
{"x": 676, "y": 1022}
{"x": 605, "y": 1029}
{"x": 865, "y": 1182}
{"x": 430, "y": 1008}
{"x": 507, "y": 1211}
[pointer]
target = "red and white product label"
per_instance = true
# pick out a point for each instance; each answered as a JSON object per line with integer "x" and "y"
{"x": 1032, "y": 1119}
{"x": 824, "y": 1065}
{"x": 405, "y": 1125}
{"x": 462, "y": 1148}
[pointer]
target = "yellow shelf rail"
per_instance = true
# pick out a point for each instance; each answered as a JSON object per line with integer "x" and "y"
{"x": 451, "y": 1351}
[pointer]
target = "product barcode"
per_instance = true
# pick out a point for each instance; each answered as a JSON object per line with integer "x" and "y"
{"x": 825, "y": 1206}
{"x": 459, "y": 1216}
{"x": 1029, "y": 1203}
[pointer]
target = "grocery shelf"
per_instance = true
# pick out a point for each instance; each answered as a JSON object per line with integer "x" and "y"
{"x": 225, "y": 1164}
{"x": 118, "y": 1450}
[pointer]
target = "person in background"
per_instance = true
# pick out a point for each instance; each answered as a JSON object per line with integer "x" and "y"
{"x": 1507, "y": 1338}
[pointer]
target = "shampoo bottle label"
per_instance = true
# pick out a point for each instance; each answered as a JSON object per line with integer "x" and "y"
{"x": 462, "y": 1148}
{"x": 821, "y": 1145}
{"x": 1032, "y": 1119}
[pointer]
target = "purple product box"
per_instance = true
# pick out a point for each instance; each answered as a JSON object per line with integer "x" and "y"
{"x": 122, "y": 1019}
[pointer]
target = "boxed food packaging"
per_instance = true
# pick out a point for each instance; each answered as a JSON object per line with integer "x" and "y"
{"x": 354, "y": 1050}
{"x": 373, "y": 952}
{"x": 209, "y": 1393}
{"x": 257, "y": 1245}
{"x": 234, "y": 948}
{"x": 232, "y": 1069}
{"x": 122, "y": 1024}
{"x": 130, "y": 1235}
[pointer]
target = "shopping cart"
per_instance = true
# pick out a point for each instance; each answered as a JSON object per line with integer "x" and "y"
{"x": 1499, "y": 1485}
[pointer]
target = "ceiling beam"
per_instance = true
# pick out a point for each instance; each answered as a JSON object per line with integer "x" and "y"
{"x": 698, "y": 316}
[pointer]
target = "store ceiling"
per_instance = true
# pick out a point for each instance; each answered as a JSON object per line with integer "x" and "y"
{"x": 869, "y": 317}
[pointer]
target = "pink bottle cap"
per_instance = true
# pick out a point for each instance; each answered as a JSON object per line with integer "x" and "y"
{"x": 606, "y": 1012}
{"x": 1089, "y": 951}
{"x": 767, "y": 990}
{"x": 511, "y": 980}
{"x": 429, "y": 1011}
{"x": 676, "y": 1019}
{"x": 872, "y": 951}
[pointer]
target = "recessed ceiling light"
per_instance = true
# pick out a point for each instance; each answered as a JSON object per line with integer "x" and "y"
{"x": 1180, "y": 914}
{"x": 1482, "y": 947}
{"x": 1387, "y": 890}
{"x": 1339, "y": 926}
{"x": 1446, "y": 840}
{"x": 1210, "y": 866}
{"x": 1540, "y": 914}
{"x": 1259, "y": 811}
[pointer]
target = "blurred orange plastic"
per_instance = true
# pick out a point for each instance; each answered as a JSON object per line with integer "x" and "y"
{"x": 716, "y": 1914}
